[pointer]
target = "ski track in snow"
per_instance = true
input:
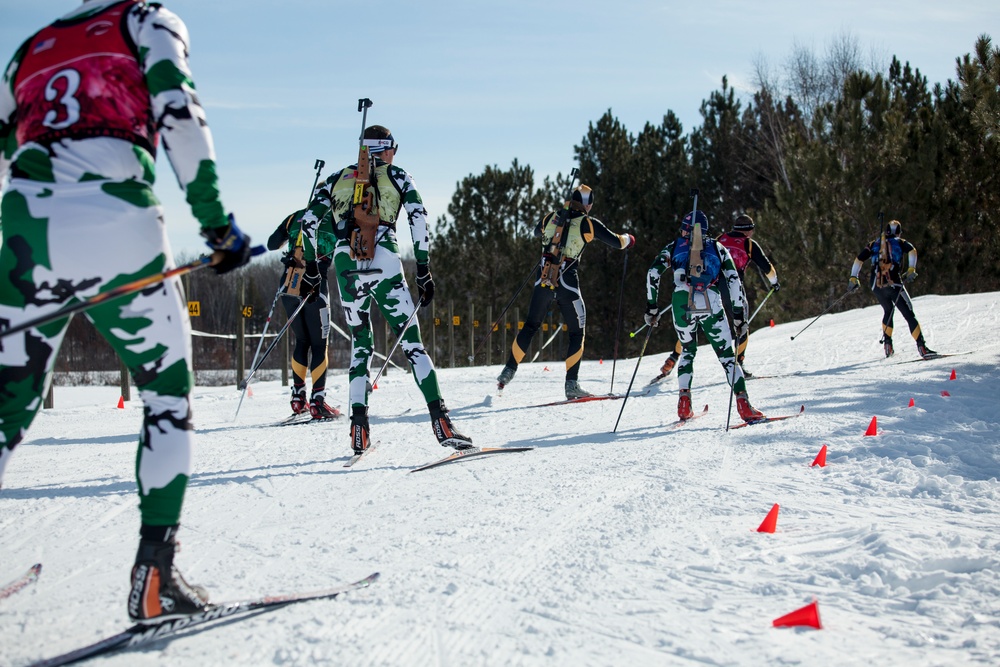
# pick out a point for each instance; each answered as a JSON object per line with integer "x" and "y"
{"x": 633, "y": 548}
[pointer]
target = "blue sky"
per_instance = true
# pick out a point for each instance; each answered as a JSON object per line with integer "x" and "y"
{"x": 467, "y": 84}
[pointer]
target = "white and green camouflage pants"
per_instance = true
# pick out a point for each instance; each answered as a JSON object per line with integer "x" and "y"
{"x": 716, "y": 328}
{"x": 380, "y": 280}
{"x": 63, "y": 244}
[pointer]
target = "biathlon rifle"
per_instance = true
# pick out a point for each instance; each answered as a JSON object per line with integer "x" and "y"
{"x": 296, "y": 261}
{"x": 364, "y": 213}
{"x": 552, "y": 256}
{"x": 883, "y": 274}
{"x": 696, "y": 265}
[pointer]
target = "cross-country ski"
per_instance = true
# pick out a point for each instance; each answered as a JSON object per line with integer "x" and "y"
{"x": 22, "y": 582}
{"x": 141, "y": 634}
{"x": 466, "y": 454}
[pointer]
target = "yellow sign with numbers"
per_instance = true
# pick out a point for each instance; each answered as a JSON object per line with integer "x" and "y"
{"x": 194, "y": 308}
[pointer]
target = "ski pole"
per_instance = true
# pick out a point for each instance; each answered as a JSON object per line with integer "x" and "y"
{"x": 472, "y": 357}
{"x": 274, "y": 343}
{"x": 548, "y": 342}
{"x": 399, "y": 339}
{"x": 629, "y": 390}
{"x": 635, "y": 333}
{"x": 618, "y": 329}
{"x": 123, "y": 290}
{"x": 760, "y": 306}
{"x": 829, "y": 308}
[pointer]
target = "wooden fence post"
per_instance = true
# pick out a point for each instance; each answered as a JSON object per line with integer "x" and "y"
{"x": 240, "y": 357}
{"x": 451, "y": 333}
{"x": 125, "y": 384}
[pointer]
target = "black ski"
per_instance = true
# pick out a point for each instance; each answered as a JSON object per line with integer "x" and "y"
{"x": 766, "y": 420}
{"x": 305, "y": 418}
{"x": 932, "y": 357}
{"x": 473, "y": 452}
{"x": 140, "y": 634}
{"x": 26, "y": 579}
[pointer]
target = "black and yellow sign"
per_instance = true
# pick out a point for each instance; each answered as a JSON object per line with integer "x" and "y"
{"x": 248, "y": 311}
{"x": 456, "y": 320}
{"x": 437, "y": 321}
{"x": 194, "y": 308}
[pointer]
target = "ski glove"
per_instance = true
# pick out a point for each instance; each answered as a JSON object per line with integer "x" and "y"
{"x": 910, "y": 275}
{"x": 231, "y": 242}
{"x": 629, "y": 242}
{"x": 740, "y": 324}
{"x": 425, "y": 284}
{"x": 652, "y": 315}
{"x": 776, "y": 286}
{"x": 854, "y": 284}
{"x": 310, "y": 282}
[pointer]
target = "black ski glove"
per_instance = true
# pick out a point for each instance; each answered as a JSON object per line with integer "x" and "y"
{"x": 310, "y": 282}
{"x": 231, "y": 242}
{"x": 652, "y": 315}
{"x": 740, "y": 324}
{"x": 854, "y": 284}
{"x": 776, "y": 286}
{"x": 425, "y": 284}
{"x": 910, "y": 275}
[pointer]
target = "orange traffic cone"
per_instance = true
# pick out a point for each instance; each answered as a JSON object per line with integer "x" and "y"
{"x": 872, "y": 427}
{"x": 772, "y": 323}
{"x": 820, "y": 459}
{"x": 953, "y": 376}
{"x": 249, "y": 391}
{"x": 945, "y": 393}
{"x": 911, "y": 403}
{"x": 375, "y": 386}
{"x": 121, "y": 402}
{"x": 770, "y": 522}
{"x": 546, "y": 368}
{"x": 808, "y": 616}
{"x": 600, "y": 362}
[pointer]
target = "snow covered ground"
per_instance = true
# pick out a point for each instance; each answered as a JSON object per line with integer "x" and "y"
{"x": 634, "y": 548}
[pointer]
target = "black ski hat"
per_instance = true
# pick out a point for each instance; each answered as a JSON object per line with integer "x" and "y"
{"x": 743, "y": 223}
{"x": 893, "y": 228}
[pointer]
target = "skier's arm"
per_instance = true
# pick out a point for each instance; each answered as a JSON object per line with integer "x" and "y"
{"x": 597, "y": 230}
{"x": 8, "y": 112}
{"x": 758, "y": 257}
{"x": 659, "y": 266}
{"x": 280, "y": 235}
{"x": 319, "y": 207}
{"x": 162, "y": 40}
{"x": 911, "y": 253}
{"x": 862, "y": 257}
{"x": 415, "y": 213}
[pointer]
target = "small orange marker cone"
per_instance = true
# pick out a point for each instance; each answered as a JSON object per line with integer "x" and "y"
{"x": 911, "y": 403}
{"x": 600, "y": 362}
{"x": 953, "y": 376}
{"x": 249, "y": 391}
{"x": 808, "y": 616}
{"x": 770, "y": 522}
{"x": 945, "y": 393}
{"x": 820, "y": 459}
{"x": 121, "y": 402}
{"x": 772, "y": 323}
{"x": 375, "y": 386}
{"x": 872, "y": 427}
{"x": 546, "y": 368}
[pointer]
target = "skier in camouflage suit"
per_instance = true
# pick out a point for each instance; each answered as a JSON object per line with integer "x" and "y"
{"x": 694, "y": 309}
{"x": 379, "y": 279}
{"x": 82, "y": 106}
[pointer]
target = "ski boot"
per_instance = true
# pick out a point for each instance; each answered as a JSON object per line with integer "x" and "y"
{"x": 668, "y": 365}
{"x": 320, "y": 410}
{"x": 299, "y": 400}
{"x": 444, "y": 430}
{"x": 158, "y": 590}
{"x": 684, "y": 410}
{"x": 506, "y": 375}
{"x": 574, "y": 390}
{"x": 748, "y": 413}
{"x": 887, "y": 346}
{"x": 925, "y": 352}
{"x": 359, "y": 430}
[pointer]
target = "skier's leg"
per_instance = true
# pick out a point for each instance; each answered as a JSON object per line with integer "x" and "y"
{"x": 541, "y": 299}
{"x": 720, "y": 337}
{"x": 355, "y": 298}
{"x": 905, "y": 307}
{"x": 684, "y": 326}
{"x": 27, "y": 359}
{"x": 300, "y": 352}
{"x": 574, "y": 314}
